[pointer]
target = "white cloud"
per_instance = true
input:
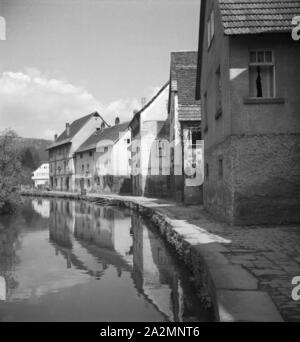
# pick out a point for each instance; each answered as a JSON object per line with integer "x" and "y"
{"x": 123, "y": 108}
{"x": 36, "y": 106}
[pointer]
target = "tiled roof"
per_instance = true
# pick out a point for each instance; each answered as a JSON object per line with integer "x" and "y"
{"x": 75, "y": 127}
{"x": 189, "y": 113}
{"x": 186, "y": 82}
{"x": 110, "y": 133}
{"x": 184, "y": 59}
{"x": 183, "y": 80}
{"x": 258, "y": 16}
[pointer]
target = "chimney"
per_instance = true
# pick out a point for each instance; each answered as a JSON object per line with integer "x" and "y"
{"x": 117, "y": 120}
{"x": 55, "y": 137}
{"x": 143, "y": 102}
{"x": 68, "y": 129}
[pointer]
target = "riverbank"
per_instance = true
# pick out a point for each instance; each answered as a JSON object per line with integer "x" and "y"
{"x": 246, "y": 269}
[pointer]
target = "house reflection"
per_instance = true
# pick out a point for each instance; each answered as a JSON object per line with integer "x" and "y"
{"x": 154, "y": 272}
{"x": 42, "y": 207}
{"x": 157, "y": 277}
{"x": 85, "y": 235}
{"x": 2, "y": 288}
{"x": 93, "y": 238}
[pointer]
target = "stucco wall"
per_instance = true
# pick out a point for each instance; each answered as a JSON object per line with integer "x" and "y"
{"x": 215, "y": 56}
{"x": 258, "y": 142}
{"x": 218, "y": 191}
{"x": 265, "y": 118}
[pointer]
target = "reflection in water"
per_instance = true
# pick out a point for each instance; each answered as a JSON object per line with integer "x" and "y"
{"x": 2, "y": 288}
{"x": 70, "y": 260}
{"x": 42, "y": 207}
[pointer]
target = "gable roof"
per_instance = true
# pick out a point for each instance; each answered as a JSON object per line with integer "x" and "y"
{"x": 148, "y": 104}
{"x": 183, "y": 75}
{"x": 240, "y": 17}
{"x": 258, "y": 16}
{"x": 110, "y": 133}
{"x": 75, "y": 127}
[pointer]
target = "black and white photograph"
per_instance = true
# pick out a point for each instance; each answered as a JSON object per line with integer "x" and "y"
{"x": 149, "y": 164}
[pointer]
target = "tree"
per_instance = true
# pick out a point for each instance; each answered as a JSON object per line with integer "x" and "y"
{"x": 27, "y": 159}
{"x": 10, "y": 171}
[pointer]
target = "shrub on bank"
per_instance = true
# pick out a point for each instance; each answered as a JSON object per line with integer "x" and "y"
{"x": 10, "y": 172}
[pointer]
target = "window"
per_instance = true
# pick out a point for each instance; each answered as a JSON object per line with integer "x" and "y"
{"x": 105, "y": 148}
{"x": 196, "y": 140}
{"x": 88, "y": 167}
{"x": 91, "y": 153}
{"x": 88, "y": 183}
{"x": 161, "y": 150}
{"x": 220, "y": 167}
{"x": 210, "y": 28}
{"x": 98, "y": 180}
{"x": 128, "y": 141}
{"x": 218, "y": 93}
{"x": 262, "y": 74}
{"x": 81, "y": 155}
{"x": 196, "y": 137}
{"x": 82, "y": 168}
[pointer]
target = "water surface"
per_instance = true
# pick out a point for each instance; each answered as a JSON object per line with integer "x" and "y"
{"x": 63, "y": 260}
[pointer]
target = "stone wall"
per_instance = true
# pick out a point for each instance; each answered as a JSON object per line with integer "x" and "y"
{"x": 266, "y": 172}
{"x": 261, "y": 179}
{"x": 157, "y": 186}
{"x": 106, "y": 184}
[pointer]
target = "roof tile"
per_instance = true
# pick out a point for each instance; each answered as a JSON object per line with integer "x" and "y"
{"x": 183, "y": 75}
{"x": 110, "y": 133}
{"x": 258, "y": 16}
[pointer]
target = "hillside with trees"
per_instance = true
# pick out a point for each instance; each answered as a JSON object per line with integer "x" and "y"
{"x": 19, "y": 157}
{"x": 32, "y": 154}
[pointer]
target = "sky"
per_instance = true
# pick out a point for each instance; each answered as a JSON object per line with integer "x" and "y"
{"x": 62, "y": 59}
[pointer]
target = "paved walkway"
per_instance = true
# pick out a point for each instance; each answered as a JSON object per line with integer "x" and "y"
{"x": 249, "y": 265}
{"x": 270, "y": 254}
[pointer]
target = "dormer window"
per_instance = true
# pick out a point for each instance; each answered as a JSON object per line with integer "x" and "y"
{"x": 210, "y": 28}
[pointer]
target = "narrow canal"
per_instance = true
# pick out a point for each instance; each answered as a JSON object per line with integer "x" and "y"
{"x": 63, "y": 260}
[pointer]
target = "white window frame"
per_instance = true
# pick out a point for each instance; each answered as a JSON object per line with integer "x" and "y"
{"x": 264, "y": 64}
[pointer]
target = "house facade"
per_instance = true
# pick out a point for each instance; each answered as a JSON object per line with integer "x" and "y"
{"x": 102, "y": 162}
{"x": 62, "y": 151}
{"x": 185, "y": 129}
{"x": 40, "y": 176}
{"x": 150, "y": 153}
{"x": 249, "y": 85}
